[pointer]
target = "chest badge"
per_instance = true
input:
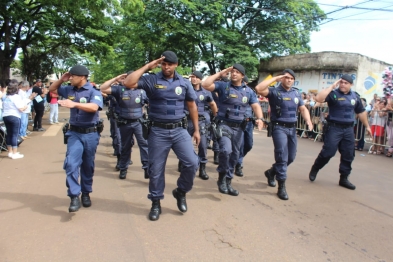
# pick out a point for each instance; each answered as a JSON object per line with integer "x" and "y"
{"x": 353, "y": 102}
{"x": 83, "y": 100}
{"x": 137, "y": 100}
{"x": 201, "y": 97}
{"x": 296, "y": 100}
{"x": 244, "y": 99}
{"x": 233, "y": 96}
{"x": 178, "y": 90}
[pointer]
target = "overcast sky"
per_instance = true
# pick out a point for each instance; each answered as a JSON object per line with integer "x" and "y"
{"x": 371, "y": 34}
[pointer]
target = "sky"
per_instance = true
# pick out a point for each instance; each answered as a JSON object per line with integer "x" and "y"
{"x": 366, "y": 32}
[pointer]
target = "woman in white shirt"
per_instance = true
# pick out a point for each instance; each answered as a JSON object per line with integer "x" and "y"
{"x": 13, "y": 106}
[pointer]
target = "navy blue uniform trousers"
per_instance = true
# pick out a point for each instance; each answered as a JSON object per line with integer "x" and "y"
{"x": 342, "y": 139}
{"x": 160, "y": 141}
{"x": 285, "y": 143}
{"x": 81, "y": 152}
{"x": 248, "y": 141}
{"x": 115, "y": 135}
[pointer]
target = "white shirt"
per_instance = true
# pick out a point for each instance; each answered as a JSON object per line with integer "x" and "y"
{"x": 11, "y": 105}
{"x": 1, "y": 101}
{"x": 25, "y": 97}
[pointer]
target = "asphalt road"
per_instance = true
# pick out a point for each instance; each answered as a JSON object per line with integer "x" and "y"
{"x": 321, "y": 221}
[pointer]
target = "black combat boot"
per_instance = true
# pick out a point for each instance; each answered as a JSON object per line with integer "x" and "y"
{"x": 239, "y": 170}
{"x": 270, "y": 174}
{"x": 180, "y": 195}
{"x": 215, "y": 158}
{"x": 282, "y": 192}
{"x": 179, "y": 167}
{"x": 123, "y": 174}
{"x": 75, "y": 204}
{"x": 146, "y": 171}
{"x": 313, "y": 173}
{"x": 222, "y": 183}
{"x": 231, "y": 190}
{"x": 117, "y": 163}
{"x": 86, "y": 202}
{"x": 344, "y": 182}
{"x": 155, "y": 210}
{"x": 202, "y": 171}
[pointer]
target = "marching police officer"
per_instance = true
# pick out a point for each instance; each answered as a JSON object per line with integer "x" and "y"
{"x": 131, "y": 102}
{"x": 284, "y": 103}
{"x": 234, "y": 97}
{"x": 203, "y": 101}
{"x": 248, "y": 137}
{"x": 338, "y": 132}
{"x": 167, "y": 91}
{"x": 84, "y": 102}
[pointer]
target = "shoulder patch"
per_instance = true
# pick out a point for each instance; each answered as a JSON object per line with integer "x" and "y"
{"x": 97, "y": 98}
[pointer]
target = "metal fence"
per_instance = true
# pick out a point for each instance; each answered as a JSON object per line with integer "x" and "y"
{"x": 380, "y": 122}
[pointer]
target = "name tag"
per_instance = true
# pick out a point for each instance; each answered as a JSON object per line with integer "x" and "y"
{"x": 341, "y": 99}
{"x": 71, "y": 97}
{"x": 125, "y": 98}
{"x": 233, "y": 96}
{"x": 287, "y": 99}
{"x": 160, "y": 86}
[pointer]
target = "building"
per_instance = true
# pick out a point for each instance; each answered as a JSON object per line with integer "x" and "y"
{"x": 317, "y": 71}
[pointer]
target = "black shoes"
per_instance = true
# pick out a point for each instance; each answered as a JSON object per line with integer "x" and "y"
{"x": 146, "y": 171}
{"x": 222, "y": 183}
{"x": 202, "y": 171}
{"x": 86, "y": 202}
{"x": 35, "y": 129}
{"x": 270, "y": 177}
{"x": 282, "y": 192}
{"x": 75, "y": 204}
{"x": 231, "y": 190}
{"x": 313, "y": 173}
{"x": 117, "y": 163}
{"x": 155, "y": 210}
{"x": 344, "y": 182}
{"x": 123, "y": 174}
{"x": 215, "y": 158}
{"x": 239, "y": 170}
{"x": 181, "y": 199}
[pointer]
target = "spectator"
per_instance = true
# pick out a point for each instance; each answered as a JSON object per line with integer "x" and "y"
{"x": 372, "y": 102}
{"x": 379, "y": 117}
{"x": 54, "y": 108}
{"x": 389, "y": 127}
{"x": 2, "y": 94}
{"x": 25, "y": 114}
{"x": 13, "y": 106}
{"x": 39, "y": 105}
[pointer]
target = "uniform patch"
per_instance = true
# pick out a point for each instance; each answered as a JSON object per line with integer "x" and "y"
{"x": 137, "y": 100}
{"x": 353, "y": 102}
{"x": 341, "y": 99}
{"x": 97, "y": 98}
{"x": 287, "y": 99}
{"x": 159, "y": 86}
{"x": 296, "y": 100}
{"x": 178, "y": 90}
{"x": 201, "y": 97}
{"x": 125, "y": 98}
{"x": 83, "y": 100}
{"x": 244, "y": 99}
{"x": 71, "y": 97}
{"x": 233, "y": 96}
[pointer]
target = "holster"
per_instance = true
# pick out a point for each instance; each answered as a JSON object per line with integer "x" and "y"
{"x": 185, "y": 122}
{"x": 146, "y": 125}
{"x": 243, "y": 124}
{"x": 66, "y": 127}
{"x": 269, "y": 128}
{"x": 217, "y": 129}
{"x": 100, "y": 126}
{"x": 120, "y": 121}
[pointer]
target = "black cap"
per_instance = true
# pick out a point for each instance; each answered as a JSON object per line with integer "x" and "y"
{"x": 170, "y": 57}
{"x": 240, "y": 68}
{"x": 245, "y": 79}
{"x": 79, "y": 70}
{"x": 289, "y": 71}
{"x": 197, "y": 74}
{"x": 347, "y": 78}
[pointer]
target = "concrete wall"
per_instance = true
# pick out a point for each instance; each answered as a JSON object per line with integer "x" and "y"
{"x": 318, "y": 71}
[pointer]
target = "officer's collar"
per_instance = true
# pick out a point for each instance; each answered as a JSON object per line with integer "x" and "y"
{"x": 281, "y": 88}
{"x": 86, "y": 86}
{"x": 175, "y": 76}
{"x": 243, "y": 85}
{"x": 350, "y": 91}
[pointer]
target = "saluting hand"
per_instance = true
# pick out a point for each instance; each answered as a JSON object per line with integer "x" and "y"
{"x": 279, "y": 77}
{"x": 121, "y": 77}
{"x": 66, "y": 103}
{"x": 65, "y": 77}
{"x": 226, "y": 71}
{"x": 197, "y": 138}
{"x": 153, "y": 64}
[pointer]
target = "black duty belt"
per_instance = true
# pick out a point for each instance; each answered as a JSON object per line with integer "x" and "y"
{"x": 131, "y": 120}
{"x": 167, "y": 125}
{"x": 340, "y": 125}
{"x": 289, "y": 125}
{"x": 230, "y": 124}
{"x": 83, "y": 130}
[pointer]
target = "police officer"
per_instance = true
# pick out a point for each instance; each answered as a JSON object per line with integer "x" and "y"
{"x": 284, "y": 103}
{"x": 248, "y": 137}
{"x": 343, "y": 105}
{"x": 131, "y": 102}
{"x": 234, "y": 97}
{"x": 84, "y": 102}
{"x": 215, "y": 147}
{"x": 203, "y": 101}
{"x": 167, "y": 91}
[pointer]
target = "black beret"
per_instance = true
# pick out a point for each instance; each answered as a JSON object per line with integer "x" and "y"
{"x": 289, "y": 71}
{"x": 240, "y": 68}
{"x": 79, "y": 70}
{"x": 197, "y": 74}
{"x": 347, "y": 78}
{"x": 245, "y": 79}
{"x": 170, "y": 57}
